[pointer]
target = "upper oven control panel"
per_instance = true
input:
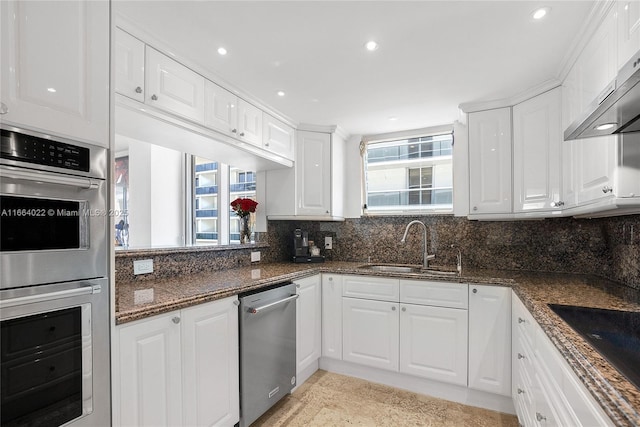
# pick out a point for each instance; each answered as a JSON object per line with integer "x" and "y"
{"x": 42, "y": 151}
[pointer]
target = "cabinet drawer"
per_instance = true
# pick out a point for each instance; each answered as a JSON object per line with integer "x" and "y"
{"x": 523, "y": 322}
{"x": 375, "y": 288}
{"x": 439, "y": 294}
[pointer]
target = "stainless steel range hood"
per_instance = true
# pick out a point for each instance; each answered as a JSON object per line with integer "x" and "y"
{"x": 617, "y": 109}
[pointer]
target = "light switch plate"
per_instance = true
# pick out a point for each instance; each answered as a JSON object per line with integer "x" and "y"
{"x": 255, "y": 256}
{"x": 328, "y": 242}
{"x": 143, "y": 266}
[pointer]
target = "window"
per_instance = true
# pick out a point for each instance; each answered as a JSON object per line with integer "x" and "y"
{"x": 206, "y": 201}
{"x": 409, "y": 175}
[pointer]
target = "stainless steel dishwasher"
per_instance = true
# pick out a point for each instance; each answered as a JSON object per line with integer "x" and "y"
{"x": 267, "y": 349}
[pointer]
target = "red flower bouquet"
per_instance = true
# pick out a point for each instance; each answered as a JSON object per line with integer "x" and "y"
{"x": 243, "y": 207}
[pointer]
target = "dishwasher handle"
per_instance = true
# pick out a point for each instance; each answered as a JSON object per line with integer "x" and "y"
{"x": 256, "y": 310}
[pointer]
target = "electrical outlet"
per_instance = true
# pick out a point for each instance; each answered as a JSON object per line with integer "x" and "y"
{"x": 143, "y": 266}
{"x": 255, "y": 256}
{"x": 328, "y": 242}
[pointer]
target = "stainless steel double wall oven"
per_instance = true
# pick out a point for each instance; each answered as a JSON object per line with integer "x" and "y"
{"x": 54, "y": 291}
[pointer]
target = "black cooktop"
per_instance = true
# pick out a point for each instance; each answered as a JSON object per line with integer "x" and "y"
{"x": 614, "y": 334}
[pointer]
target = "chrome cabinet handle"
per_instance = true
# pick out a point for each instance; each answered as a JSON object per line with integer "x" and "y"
{"x": 475, "y": 291}
{"x": 331, "y": 279}
{"x": 606, "y": 189}
{"x": 236, "y": 302}
{"x": 404, "y": 308}
{"x": 520, "y": 356}
{"x": 154, "y": 97}
{"x": 234, "y": 130}
{"x": 176, "y": 320}
{"x": 139, "y": 90}
{"x": 393, "y": 308}
{"x": 475, "y": 208}
{"x": 540, "y": 417}
{"x": 266, "y": 144}
{"x": 557, "y": 204}
{"x": 298, "y": 285}
{"x": 3, "y": 108}
{"x": 241, "y": 133}
{"x": 521, "y": 320}
{"x": 520, "y": 391}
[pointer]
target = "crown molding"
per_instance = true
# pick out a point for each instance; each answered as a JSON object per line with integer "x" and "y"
{"x": 472, "y": 107}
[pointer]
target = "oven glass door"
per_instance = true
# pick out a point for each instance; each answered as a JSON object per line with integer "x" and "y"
{"x": 46, "y": 357}
{"x": 34, "y": 223}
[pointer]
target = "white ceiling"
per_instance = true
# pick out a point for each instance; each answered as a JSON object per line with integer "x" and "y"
{"x": 433, "y": 55}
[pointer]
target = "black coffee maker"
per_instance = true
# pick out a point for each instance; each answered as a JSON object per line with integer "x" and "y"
{"x": 301, "y": 252}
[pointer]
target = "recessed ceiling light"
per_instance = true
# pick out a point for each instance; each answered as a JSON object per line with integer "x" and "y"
{"x": 606, "y": 126}
{"x": 280, "y": 93}
{"x": 538, "y": 14}
{"x": 50, "y": 89}
{"x": 371, "y": 45}
{"x": 393, "y": 118}
{"x": 222, "y": 51}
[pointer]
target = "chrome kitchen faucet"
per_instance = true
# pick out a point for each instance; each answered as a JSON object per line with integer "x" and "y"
{"x": 426, "y": 257}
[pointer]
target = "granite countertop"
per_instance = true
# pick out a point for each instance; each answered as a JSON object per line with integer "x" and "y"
{"x": 618, "y": 397}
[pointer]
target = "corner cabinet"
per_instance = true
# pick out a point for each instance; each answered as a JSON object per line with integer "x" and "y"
{"x": 55, "y": 68}
{"x": 314, "y": 189}
{"x": 537, "y": 153}
{"x": 490, "y": 162}
{"x": 308, "y": 326}
{"x": 490, "y": 338}
{"x": 179, "y": 368}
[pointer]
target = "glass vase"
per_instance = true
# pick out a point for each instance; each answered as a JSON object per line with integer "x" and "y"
{"x": 245, "y": 229}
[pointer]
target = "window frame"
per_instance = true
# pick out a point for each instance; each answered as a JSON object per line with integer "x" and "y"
{"x": 406, "y": 210}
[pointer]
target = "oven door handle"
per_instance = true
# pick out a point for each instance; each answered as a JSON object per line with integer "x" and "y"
{"x": 256, "y": 310}
{"x": 44, "y": 177}
{"x": 85, "y": 289}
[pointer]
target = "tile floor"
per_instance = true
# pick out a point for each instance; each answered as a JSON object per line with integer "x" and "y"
{"x": 329, "y": 399}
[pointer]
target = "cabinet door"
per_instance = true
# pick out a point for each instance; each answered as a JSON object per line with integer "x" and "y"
{"x": 313, "y": 173}
{"x": 433, "y": 343}
{"x": 370, "y": 334}
{"x": 490, "y": 339}
{"x": 173, "y": 87}
{"x": 221, "y": 109}
{"x": 55, "y": 67}
{"x": 129, "y": 65}
{"x": 628, "y": 30}
{"x": 332, "y": 316}
{"x": 537, "y": 143}
{"x": 148, "y": 372}
{"x": 308, "y": 322}
{"x": 596, "y": 165}
{"x": 210, "y": 364}
{"x": 278, "y": 137}
{"x": 490, "y": 161}
{"x": 249, "y": 123}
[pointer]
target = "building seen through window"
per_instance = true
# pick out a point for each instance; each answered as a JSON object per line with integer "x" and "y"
{"x": 410, "y": 174}
{"x": 206, "y": 191}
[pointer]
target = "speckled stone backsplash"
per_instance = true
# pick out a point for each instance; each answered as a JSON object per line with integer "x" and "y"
{"x": 608, "y": 247}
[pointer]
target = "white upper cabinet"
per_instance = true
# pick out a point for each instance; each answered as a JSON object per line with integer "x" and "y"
{"x": 249, "y": 123}
{"x": 173, "y": 87}
{"x": 628, "y": 30}
{"x": 490, "y": 161}
{"x": 313, "y": 173}
{"x": 595, "y": 166}
{"x": 537, "y": 142}
{"x": 221, "y": 109}
{"x": 278, "y": 137}
{"x": 129, "y": 65}
{"x": 55, "y": 67}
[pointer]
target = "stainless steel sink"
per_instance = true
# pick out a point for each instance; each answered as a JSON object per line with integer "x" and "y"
{"x": 393, "y": 268}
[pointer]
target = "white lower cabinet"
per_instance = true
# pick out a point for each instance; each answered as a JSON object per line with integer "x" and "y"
{"x": 179, "y": 368}
{"x": 433, "y": 343}
{"x": 546, "y": 392}
{"x": 370, "y": 334}
{"x": 332, "y": 316}
{"x": 490, "y": 339}
{"x": 308, "y": 325}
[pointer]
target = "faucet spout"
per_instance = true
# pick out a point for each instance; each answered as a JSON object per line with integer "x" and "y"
{"x": 425, "y": 256}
